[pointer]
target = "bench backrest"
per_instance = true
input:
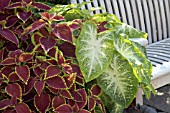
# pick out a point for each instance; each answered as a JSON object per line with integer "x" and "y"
{"x": 151, "y": 16}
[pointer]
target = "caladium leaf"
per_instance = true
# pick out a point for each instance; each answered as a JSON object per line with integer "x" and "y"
{"x": 130, "y": 31}
{"x": 23, "y": 73}
{"x": 63, "y": 32}
{"x": 42, "y": 102}
{"x": 24, "y": 16}
{"x": 9, "y": 35}
{"x": 47, "y": 43}
{"x": 22, "y": 108}
{"x": 64, "y": 108}
{"x": 40, "y": 6}
{"x": 94, "y": 51}
{"x": 36, "y": 25}
{"x": 57, "y": 101}
{"x": 57, "y": 82}
{"x": 24, "y": 57}
{"x": 51, "y": 71}
{"x": 118, "y": 81}
{"x": 114, "y": 107}
{"x": 14, "y": 90}
{"x": 4, "y": 104}
{"x": 141, "y": 65}
{"x": 8, "y": 61}
{"x": 39, "y": 86}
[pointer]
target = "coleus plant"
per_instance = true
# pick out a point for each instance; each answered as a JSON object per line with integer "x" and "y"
{"x": 68, "y": 64}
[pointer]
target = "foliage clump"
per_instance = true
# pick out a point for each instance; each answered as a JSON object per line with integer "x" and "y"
{"x": 63, "y": 63}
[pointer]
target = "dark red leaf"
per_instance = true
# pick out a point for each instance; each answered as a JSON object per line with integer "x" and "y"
{"x": 76, "y": 70}
{"x": 16, "y": 53}
{"x": 63, "y": 32}
{"x": 82, "y": 104}
{"x": 6, "y": 71}
{"x": 74, "y": 26}
{"x": 66, "y": 94}
{"x": 9, "y": 35}
{"x": 24, "y": 57}
{"x": 75, "y": 108}
{"x": 11, "y": 47}
{"x": 80, "y": 81}
{"x": 68, "y": 49}
{"x": 67, "y": 68}
{"x": 52, "y": 61}
{"x": 54, "y": 91}
{"x": 47, "y": 43}
{"x": 2, "y": 54}
{"x": 14, "y": 100}
{"x": 38, "y": 71}
{"x": 24, "y": 16}
{"x": 77, "y": 96}
{"x": 70, "y": 79}
{"x": 47, "y": 16}
{"x": 57, "y": 101}
{"x": 36, "y": 38}
{"x": 96, "y": 90}
{"x": 9, "y": 111}
{"x": 61, "y": 59}
{"x": 53, "y": 52}
{"x": 8, "y": 61}
{"x": 65, "y": 108}
{"x": 13, "y": 77}
{"x": 36, "y": 25}
{"x": 91, "y": 104}
{"x": 58, "y": 18}
{"x": 29, "y": 85}
{"x": 4, "y": 104}
{"x": 39, "y": 86}
{"x": 27, "y": 1}
{"x": 101, "y": 27}
{"x": 71, "y": 102}
{"x": 41, "y": 6}
{"x": 52, "y": 71}
{"x": 11, "y": 20}
{"x": 44, "y": 65}
{"x": 84, "y": 111}
{"x": 22, "y": 108}
{"x": 57, "y": 82}
{"x": 4, "y": 3}
{"x": 15, "y": 5}
{"x": 42, "y": 102}
{"x": 23, "y": 73}
{"x": 14, "y": 90}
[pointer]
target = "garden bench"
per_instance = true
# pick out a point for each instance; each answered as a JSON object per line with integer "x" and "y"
{"x": 151, "y": 16}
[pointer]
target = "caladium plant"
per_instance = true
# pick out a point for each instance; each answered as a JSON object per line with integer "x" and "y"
{"x": 65, "y": 64}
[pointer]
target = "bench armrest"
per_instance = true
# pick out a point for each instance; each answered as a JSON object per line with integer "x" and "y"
{"x": 142, "y": 41}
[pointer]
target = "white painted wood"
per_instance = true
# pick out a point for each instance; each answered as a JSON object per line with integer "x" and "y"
{"x": 167, "y": 10}
{"x": 83, "y": 7}
{"x": 116, "y": 9}
{"x": 122, "y": 10}
{"x": 129, "y": 12}
{"x": 101, "y": 2}
{"x": 95, "y": 3}
{"x": 108, "y": 6}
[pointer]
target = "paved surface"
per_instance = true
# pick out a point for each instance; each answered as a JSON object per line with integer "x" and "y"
{"x": 161, "y": 101}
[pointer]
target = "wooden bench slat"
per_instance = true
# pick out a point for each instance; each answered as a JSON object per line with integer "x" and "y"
{"x": 167, "y": 11}
{"x": 122, "y": 10}
{"x": 95, "y": 3}
{"x": 116, "y": 9}
{"x": 101, "y": 2}
{"x": 108, "y": 6}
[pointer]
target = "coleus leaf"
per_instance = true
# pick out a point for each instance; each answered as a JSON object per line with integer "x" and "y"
{"x": 24, "y": 16}
{"x": 57, "y": 82}
{"x": 66, "y": 94}
{"x": 118, "y": 81}
{"x": 4, "y": 4}
{"x": 13, "y": 77}
{"x": 47, "y": 43}
{"x": 30, "y": 85}
{"x": 40, "y": 6}
{"x": 9, "y": 35}
{"x": 39, "y": 86}
{"x": 63, "y": 32}
{"x": 15, "y": 5}
{"x": 36, "y": 25}
{"x": 84, "y": 111}
{"x": 23, "y": 73}
{"x": 22, "y": 108}
{"x": 77, "y": 96}
{"x": 9, "y": 111}
{"x": 15, "y": 53}
{"x": 6, "y": 71}
{"x": 24, "y": 57}
{"x": 91, "y": 104}
{"x": 70, "y": 80}
{"x": 42, "y": 102}
{"x": 8, "y": 61}
{"x": 38, "y": 71}
{"x": 96, "y": 90}
{"x": 46, "y": 16}
{"x": 82, "y": 104}
{"x": 94, "y": 51}
{"x": 51, "y": 71}
{"x": 2, "y": 53}
{"x": 64, "y": 108}
{"x": 14, "y": 90}
{"x": 67, "y": 68}
{"x": 27, "y": 1}
{"x": 53, "y": 52}
{"x": 4, "y": 104}
{"x": 11, "y": 20}
{"x": 54, "y": 91}
{"x": 57, "y": 101}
